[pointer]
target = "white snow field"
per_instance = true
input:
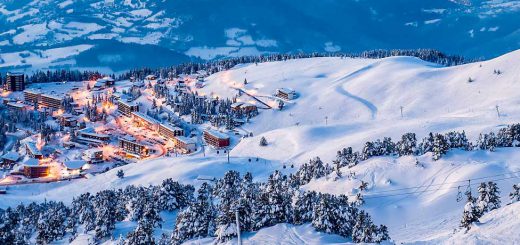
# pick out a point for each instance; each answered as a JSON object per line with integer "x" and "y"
{"x": 346, "y": 102}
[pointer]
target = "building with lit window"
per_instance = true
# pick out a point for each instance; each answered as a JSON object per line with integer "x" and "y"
{"x": 14, "y": 82}
{"x": 126, "y": 108}
{"x": 184, "y": 144}
{"x": 133, "y": 148}
{"x": 170, "y": 132}
{"x": 143, "y": 120}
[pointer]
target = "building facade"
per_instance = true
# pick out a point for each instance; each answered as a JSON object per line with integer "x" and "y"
{"x": 133, "y": 148}
{"x": 216, "y": 139}
{"x": 143, "y": 120}
{"x": 184, "y": 144}
{"x": 51, "y": 101}
{"x": 170, "y": 132}
{"x": 15, "y": 82}
{"x": 126, "y": 108}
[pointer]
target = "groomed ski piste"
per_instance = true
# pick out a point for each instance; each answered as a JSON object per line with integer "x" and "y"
{"x": 345, "y": 102}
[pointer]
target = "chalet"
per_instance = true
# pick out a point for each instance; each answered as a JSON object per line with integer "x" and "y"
{"x": 200, "y": 82}
{"x": 143, "y": 120}
{"x": 33, "y": 169}
{"x": 69, "y": 145}
{"x": 216, "y": 139}
{"x": 127, "y": 107}
{"x": 109, "y": 81}
{"x": 151, "y": 77}
{"x": 9, "y": 159}
{"x": 73, "y": 167}
{"x": 184, "y": 144}
{"x": 90, "y": 137}
{"x": 99, "y": 85}
{"x": 133, "y": 148}
{"x": 243, "y": 107}
{"x": 286, "y": 93}
{"x": 32, "y": 151}
{"x": 170, "y": 132}
{"x": 93, "y": 155}
{"x": 68, "y": 120}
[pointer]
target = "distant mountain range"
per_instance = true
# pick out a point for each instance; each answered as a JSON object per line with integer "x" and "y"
{"x": 120, "y": 34}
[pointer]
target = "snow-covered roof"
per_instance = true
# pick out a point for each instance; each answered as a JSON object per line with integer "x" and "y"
{"x": 145, "y": 117}
{"x": 128, "y": 138}
{"x": 217, "y": 134}
{"x": 185, "y": 140}
{"x": 54, "y": 96}
{"x": 32, "y": 162}
{"x": 90, "y": 131}
{"x": 151, "y": 77}
{"x": 12, "y": 156}
{"x": 92, "y": 151}
{"x": 16, "y": 104}
{"x": 127, "y": 103}
{"x": 107, "y": 78}
{"x": 74, "y": 164}
{"x": 33, "y": 91}
{"x": 171, "y": 128}
{"x": 286, "y": 90}
{"x": 32, "y": 148}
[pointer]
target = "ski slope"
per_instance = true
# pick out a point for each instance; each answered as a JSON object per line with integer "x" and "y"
{"x": 346, "y": 102}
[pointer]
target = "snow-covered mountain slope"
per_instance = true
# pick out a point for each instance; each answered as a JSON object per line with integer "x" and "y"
{"x": 209, "y": 29}
{"x": 361, "y": 99}
{"x": 497, "y": 227}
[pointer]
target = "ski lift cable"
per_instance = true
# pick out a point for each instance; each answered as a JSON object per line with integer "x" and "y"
{"x": 446, "y": 183}
{"x": 432, "y": 190}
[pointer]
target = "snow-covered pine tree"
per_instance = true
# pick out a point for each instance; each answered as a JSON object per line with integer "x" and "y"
{"x": 303, "y": 206}
{"x": 248, "y": 192}
{"x": 105, "y": 210}
{"x": 227, "y": 190}
{"x": 173, "y": 195}
{"x": 120, "y": 174}
{"x": 337, "y": 170}
{"x": 326, "y": 214}
{"x": 493, "y": 195}
{"x": 407, "y": 144}
{"x": 470, "y": 214}
{"x": 439, "y": 147}
{"x": 514, "y": 196}
{"x": 51, "y": 224}
{"x": 263, "y": 141}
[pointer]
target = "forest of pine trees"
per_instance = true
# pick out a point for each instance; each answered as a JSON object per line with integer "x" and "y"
{"x": 210, "y": 212}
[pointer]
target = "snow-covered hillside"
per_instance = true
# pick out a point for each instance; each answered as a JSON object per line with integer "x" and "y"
{"x": 123, "y": 30}
{"x": 346, "y": 102}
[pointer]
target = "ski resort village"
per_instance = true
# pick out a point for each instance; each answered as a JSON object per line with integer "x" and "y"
{"x": 401, "y": 146}
{"x": 67, "y": 130}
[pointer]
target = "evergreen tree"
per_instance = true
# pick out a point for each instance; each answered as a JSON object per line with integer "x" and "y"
{"x": 514, "y": 196}
{"x": 263, "y": 141}
{"x": 326, "y": 215}
{"x": 303, "y": 207}
{"x": 120, "y": 174}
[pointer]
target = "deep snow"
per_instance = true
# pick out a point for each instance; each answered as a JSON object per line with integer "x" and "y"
{"x": 361, "y": 100}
